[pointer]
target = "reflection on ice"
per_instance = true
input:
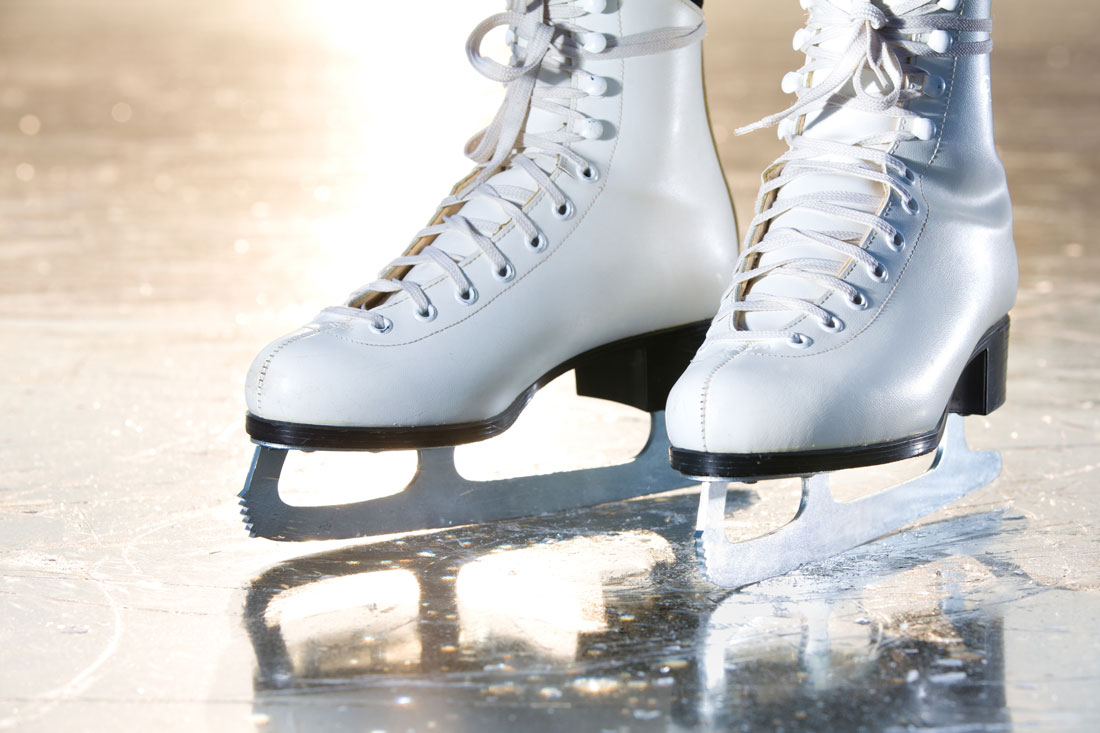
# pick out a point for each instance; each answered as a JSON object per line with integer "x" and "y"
{"x": 366, "y": 592}
{"x": 600, "y": 616}
{"x": 550, "y": 594}
{"x": 357, "y": 622}
{"x": 897, "y": 639}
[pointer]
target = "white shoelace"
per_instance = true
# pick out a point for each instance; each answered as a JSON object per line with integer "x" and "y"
{"x": 875, "y": 41}
{"x": 542, "y": 35}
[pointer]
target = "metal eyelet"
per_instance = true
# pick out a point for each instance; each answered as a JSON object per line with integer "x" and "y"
{"x": 878, "y": 273}
{"x": 467, "y": 298}
{"x": 591, "y": 41}
{"x": 386, "y": 327}
{"x": 939, "y": 40}
{"x": 832, "y": 325}
{"x": 565, "y": 211}
{"x": 506, "y": 274}
{"x": 934, "y": 87}
{"x": 897, "y": 242}
{"x": 911, "y": 206}
{"x": 593, "y": 86}
{"x": 539, "y": 243}
{"x": 589, "y": 128}
{"x": 428, "y": 315}
{"x": 590, "y": 174}
{"x": 858, "y": 301}
{"x": 799, "y": 341}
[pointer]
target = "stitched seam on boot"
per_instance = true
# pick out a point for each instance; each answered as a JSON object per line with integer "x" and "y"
{"x": 706, "y": 393}
{"x": 261, "y": 378}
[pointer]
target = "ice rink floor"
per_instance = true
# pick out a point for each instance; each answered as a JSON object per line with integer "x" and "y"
{"x": 180, "y": 182}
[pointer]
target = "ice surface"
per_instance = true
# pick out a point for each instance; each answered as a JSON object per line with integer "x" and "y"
{"x": 180, "y": 183}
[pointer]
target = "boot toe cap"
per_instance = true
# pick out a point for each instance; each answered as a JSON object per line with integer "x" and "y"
{"x": 297, "y": 379}
{"x": 757, "y": 402}
{"x": 745, "y": 402}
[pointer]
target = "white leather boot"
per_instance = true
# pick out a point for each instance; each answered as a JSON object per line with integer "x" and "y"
{"x": 595, "y": 233}
{"x": 872, "y": 293}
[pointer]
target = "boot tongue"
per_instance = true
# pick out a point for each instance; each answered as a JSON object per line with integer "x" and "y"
{"x": 837, "y": 124}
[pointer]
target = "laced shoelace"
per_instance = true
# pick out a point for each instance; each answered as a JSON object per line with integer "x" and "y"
{"x": 845, "y": 45}
{"x": 542, "y": 35}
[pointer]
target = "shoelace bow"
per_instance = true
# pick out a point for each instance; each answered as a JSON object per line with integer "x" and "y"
{"x": 541, "y": 35}
{"x": 875, "y": 41}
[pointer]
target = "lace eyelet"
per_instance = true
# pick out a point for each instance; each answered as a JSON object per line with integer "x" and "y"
{"x": 940, "y": 40}
{"x": 592, "y": 7}
{"x": 591, "y": 41}
{"x": 909, "y": 175}
{"x": 386, "y": 327}
{"x": 565, "y": 211}
{"x": 538, "y": 244}
{"x": 799, "y": 341}
{"x": 897, "y": 242}
{"x": 506, "y": 274}
{"x": 922, "y": 128}
{"x": 467, "y": 298}
{"x": 590, "y": 174}
{"x": 589, "y": 128}
{"x": 590, "y": 84}
{"x": 858, "y": 301}
{"x": 800, "y": 37}
{"x": 832, "y": 325}
{"x": 878, "y": 273}
{"x": 911, "y": 206}
{"x": 427, "y": 316}
{"x": 934, "y": 87}
{"x": 792, "y": 80}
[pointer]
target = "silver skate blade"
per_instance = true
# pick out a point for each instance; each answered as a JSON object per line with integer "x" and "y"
{"x": 438, "y": 496}
{"x": 824, "y": 527}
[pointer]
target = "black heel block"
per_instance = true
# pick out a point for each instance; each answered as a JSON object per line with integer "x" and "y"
{"x": 640, "y": 372}
{"x": 981, "y": 387}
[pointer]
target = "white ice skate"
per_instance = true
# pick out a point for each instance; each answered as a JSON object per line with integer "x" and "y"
{"x": 868, "y": 311}
{"x": 593, "y": 234}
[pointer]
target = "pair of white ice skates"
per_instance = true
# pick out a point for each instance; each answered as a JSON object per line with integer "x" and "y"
{"x": 866, "y": 314}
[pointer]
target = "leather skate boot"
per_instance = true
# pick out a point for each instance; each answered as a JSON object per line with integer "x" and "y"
{"x": 595, "y": 233}
{"x": 872, "y": 293}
